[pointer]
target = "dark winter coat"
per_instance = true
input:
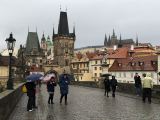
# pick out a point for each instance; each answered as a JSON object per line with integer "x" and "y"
{"x": 63, "y": 83}
{"x": 50, "y": 86}
{"x": 107, "y": 84}
{"x": 113, "y": 82}
{"x": 137, "y": 80}
{"x": 31, "y": 89}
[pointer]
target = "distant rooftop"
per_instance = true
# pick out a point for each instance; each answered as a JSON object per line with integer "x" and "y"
{"x": 97, "y": 46}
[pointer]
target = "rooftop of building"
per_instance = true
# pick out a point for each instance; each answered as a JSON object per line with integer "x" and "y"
{"x": 143, "y": 63}
{"x": 96, "y": 46}
{"x": 32, "y": 43}
{"x": 4, "y": 61}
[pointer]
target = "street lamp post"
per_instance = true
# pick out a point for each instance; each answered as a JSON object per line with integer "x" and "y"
{"x": 22, "y": 62}
{"x": 10, "y": 46}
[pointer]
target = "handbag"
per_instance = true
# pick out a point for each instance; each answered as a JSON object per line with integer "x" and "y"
{"x": 24, "y": 89}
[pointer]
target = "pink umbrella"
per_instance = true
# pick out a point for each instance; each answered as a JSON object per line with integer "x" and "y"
{"x": 48, "y": 77}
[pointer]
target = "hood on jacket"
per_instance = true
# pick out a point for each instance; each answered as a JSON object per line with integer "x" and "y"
{"x": 148, "y": 75}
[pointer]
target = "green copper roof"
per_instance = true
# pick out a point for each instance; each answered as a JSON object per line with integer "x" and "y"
{"x": 49, "y": 42}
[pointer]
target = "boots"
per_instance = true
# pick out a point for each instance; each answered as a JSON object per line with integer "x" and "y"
{"x": 49, "y": 101}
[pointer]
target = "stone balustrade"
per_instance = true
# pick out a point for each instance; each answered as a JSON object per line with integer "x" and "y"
{"x": 122, "y": 87}
{"x": 8, "y": 101}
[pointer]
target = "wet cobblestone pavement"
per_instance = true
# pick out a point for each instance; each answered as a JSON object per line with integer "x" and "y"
{"x": 86, "y": 104}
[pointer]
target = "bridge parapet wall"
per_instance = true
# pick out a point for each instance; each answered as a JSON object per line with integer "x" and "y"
{"x": 8, "y": 101}
{"x": 122, "y": 87}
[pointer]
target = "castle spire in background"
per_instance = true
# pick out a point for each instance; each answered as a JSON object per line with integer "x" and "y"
{"x": 105, "y": 40}
{"x": 120, "y": 42}
{"x": 113, "y": 33}
{"x": 53, "y": 34}
{"x": 137, "y": 41}
{"x": 74, "y": 29}
{"x": 109, "y": 41}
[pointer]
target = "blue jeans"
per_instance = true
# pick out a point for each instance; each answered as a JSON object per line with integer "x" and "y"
{"x": 138, "y": 91}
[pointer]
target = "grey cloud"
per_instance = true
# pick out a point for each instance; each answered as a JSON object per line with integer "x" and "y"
{"x": 93, "y": 18}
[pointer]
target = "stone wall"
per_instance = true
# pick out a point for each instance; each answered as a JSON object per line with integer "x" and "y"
{"x": 122, "y": 87}
{"x": 8, "y": 101}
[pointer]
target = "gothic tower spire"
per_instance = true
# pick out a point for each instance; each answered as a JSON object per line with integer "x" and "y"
{"x": 109, "y": 41}
{"x": 53, "y": 34}
{"x": 113, "y": 33}
{"x": 63, "y": 24}
{"x": 105, "y": 40}
{"x": 120, "y": 42}
{"x": 74, "y": 29}
{"x": 137, "y": 40}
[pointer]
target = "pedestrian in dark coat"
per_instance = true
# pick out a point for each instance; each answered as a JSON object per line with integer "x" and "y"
{"x": 113, "y": 85}
{"x": 50, "y": 88}
{"x": 63, "y": 83}
{"x": 107, "y": 86}
{"x": 138, "y": 84}
{"x": 31, "y": 93}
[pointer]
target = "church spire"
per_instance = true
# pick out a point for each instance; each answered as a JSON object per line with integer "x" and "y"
{"x": 105, "y": 40}
{"x": 74, "y": 29}
{"x": 53, "y": 34}
{"x": 63, "y": 24}
{"x": 120, "y": 42}
{"x": 109, "y": 41}
{"x": 53, "y": 30}
{"x": 43, "y": 38}
{"x": 113, "y": 33}
{"x": 120, "y": 39}
{"x": 137, "y": 40}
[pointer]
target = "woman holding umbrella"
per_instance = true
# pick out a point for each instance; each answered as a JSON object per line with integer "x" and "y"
{"x": 31, "y": 90}
{"x": 63, "y": 83}
{"x": 50, "y": 88}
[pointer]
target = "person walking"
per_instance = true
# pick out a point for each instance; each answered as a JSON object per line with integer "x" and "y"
{"x": 147, "y": 85}
{"x": 31, "y": 91}
{"x": 106, "y": 85}
{"x": 113, "y": 85}
{"x": 63, "y": 83}
{"x": 138, "y": 84}
{"x": 50, "y": 88}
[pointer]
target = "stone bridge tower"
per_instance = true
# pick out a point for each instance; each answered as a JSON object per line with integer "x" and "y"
{"x": 63, "y": 43}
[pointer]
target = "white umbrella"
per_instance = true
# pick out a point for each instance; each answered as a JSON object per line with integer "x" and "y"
{"x": 48, "y": 77}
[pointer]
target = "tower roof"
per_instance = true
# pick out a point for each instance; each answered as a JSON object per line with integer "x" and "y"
{"x": 63, "y": 24}
{"x": 113, "y": 33}
{"x": 49, "y": 42}
{"x": 43, "y": 38}
{"x": 105, "y": 40}
{"x": 109, "y": 41}
{"x": 136, "y": 40}
{"x": 32, "y": 42}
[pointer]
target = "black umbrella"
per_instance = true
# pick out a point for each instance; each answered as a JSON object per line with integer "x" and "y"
{"x": 106, "y": 75}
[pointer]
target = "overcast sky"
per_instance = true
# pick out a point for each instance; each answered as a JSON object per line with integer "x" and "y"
{"x": 92, "y": 18}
